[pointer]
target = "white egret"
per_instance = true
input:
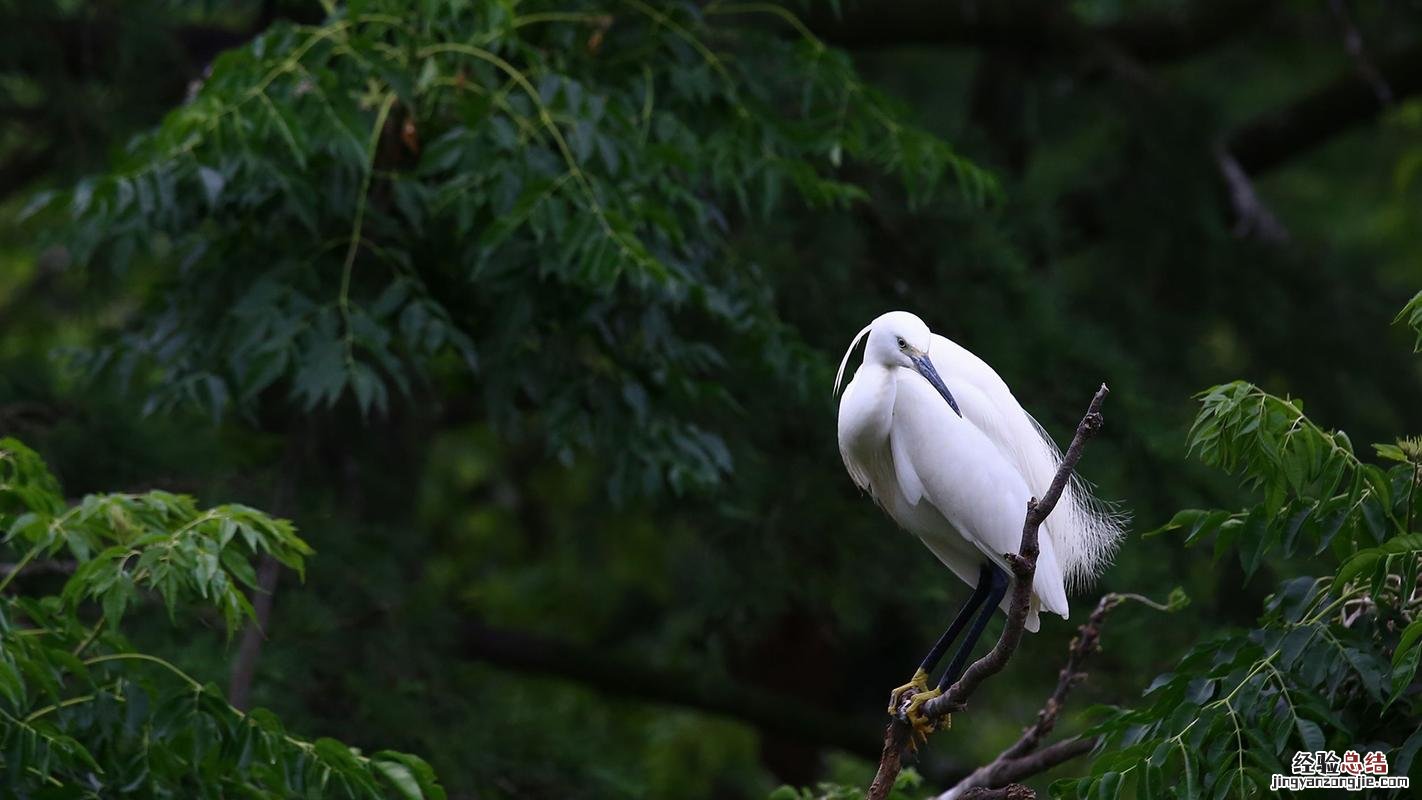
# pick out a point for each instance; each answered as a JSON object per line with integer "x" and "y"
{"x": 953, "y": 459}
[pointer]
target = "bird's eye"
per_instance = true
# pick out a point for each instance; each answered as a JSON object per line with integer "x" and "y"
{"x": 903, "y": 345}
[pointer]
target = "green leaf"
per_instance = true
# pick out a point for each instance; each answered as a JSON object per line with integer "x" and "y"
{"x": 1404, "y": 669}
{"x": 400, "y": 778}
{"x": 1109, "y": 787}
{"x": 115, "y": 599}
{"x": 1401, "y": 761}
{"x": 1362, "y": 562}
{"x": 1407, "y": 642}
{"x": 1153, "y": 783}
{"x": 12, "y": 684}
{"x": 1310, "y": 734}
{"x": 337, "y": 755}
{"x": 1411, "y": 315}
{"x": 1196, "y": 523}
{"x": 1370, "y": 670}
{"x": 1390, "y": 452}
{"x": 1187, "y": 518}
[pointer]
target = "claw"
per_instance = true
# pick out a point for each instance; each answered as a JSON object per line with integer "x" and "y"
{"x": 922, "y": 725}
{"x": 916, "y": 685}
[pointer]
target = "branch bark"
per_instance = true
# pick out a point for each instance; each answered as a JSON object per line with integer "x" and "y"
{"x": 1024, "y": 566}
{"x": 1027, "y": 756}
{"x": 1011, "y": 792}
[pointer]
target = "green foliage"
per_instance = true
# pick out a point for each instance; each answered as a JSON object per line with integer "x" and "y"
{"x": 1331, "y": 660}
{"x": 1269, "y": 442}
{"x": 1313, "y": 485}
{"x": 344, "y": 208}
{"x": 83, "y": 714}
{"x": 706, "y": 346}
{"x": 126, "y": 543}
{"x": 1411, "y": 314}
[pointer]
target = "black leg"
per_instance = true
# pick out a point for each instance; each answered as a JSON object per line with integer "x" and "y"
{"x": 980, "y": 593}
{"x": 997, "y": 589}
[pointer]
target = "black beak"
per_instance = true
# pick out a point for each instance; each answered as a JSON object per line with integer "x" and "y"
{"x": 925, "y": 368}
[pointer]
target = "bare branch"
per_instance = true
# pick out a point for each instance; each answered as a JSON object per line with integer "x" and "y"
{"x": 1024, "y": 567}
{"x": 1034, "y": 764}
{"x": 1278, "y": 136}
{"x": 1353, "y": 43}
{"x": 1015, "y": 791}
{"x": 1252, "y": 217}
{"x": 1273, "y": 138}
{"x": 1026, "y": 756}
{"x": 1048, "y": 757}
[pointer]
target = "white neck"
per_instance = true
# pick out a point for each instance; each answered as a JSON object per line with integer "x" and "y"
{"x": 866, "y": 410}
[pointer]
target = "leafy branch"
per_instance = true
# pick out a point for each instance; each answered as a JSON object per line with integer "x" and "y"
{"x": 532, "y": 197}
{"x": 70, "y": 718}
{"x": 1333, "y": 658}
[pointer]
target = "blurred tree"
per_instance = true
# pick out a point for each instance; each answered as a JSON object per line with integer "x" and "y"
{"x": 438, "y": 281}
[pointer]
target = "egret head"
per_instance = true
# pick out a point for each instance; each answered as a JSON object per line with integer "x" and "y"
{"x": 896, "y": 339}
{"x": 900, "y": 339}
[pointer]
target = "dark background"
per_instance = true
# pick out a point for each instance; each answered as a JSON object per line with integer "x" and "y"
{"x": 1190, "y": 193}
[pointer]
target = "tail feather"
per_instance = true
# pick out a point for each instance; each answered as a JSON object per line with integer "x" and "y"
{"x": 1094, "y": 529}
{"x": 1086, "y": 529}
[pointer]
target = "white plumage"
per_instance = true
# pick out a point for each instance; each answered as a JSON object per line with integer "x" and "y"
{"x": 961, "y": 483}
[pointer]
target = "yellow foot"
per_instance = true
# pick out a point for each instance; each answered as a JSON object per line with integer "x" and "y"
{"x": 922, "y": 725}
{"x": 916, "y": 685}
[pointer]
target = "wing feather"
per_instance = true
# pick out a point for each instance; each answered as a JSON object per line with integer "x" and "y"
{"x": 909, "y": 482}
{"x": 965, "y": 478}
{"x": 1084, "y": 530}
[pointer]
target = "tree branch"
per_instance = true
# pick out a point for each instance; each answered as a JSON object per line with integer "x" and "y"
{"x": 1251, "y": 216}
{"x": 1353, "y": 43}
{"x": 263, "y": 596}
{"x": 1026, "y": 756}
{"x": 1353, "y": 97}
{"x": 1024, "y": 566}
{"x": 1348, "y": 100}
{"x": 1010, "y": 792}
{"x": 618, "y": 675}
{"x": 244, "y": 667}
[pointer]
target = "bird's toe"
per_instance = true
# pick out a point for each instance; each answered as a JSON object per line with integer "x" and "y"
{"x": 898, "y": 697}
{"x": 922, "y": 724}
